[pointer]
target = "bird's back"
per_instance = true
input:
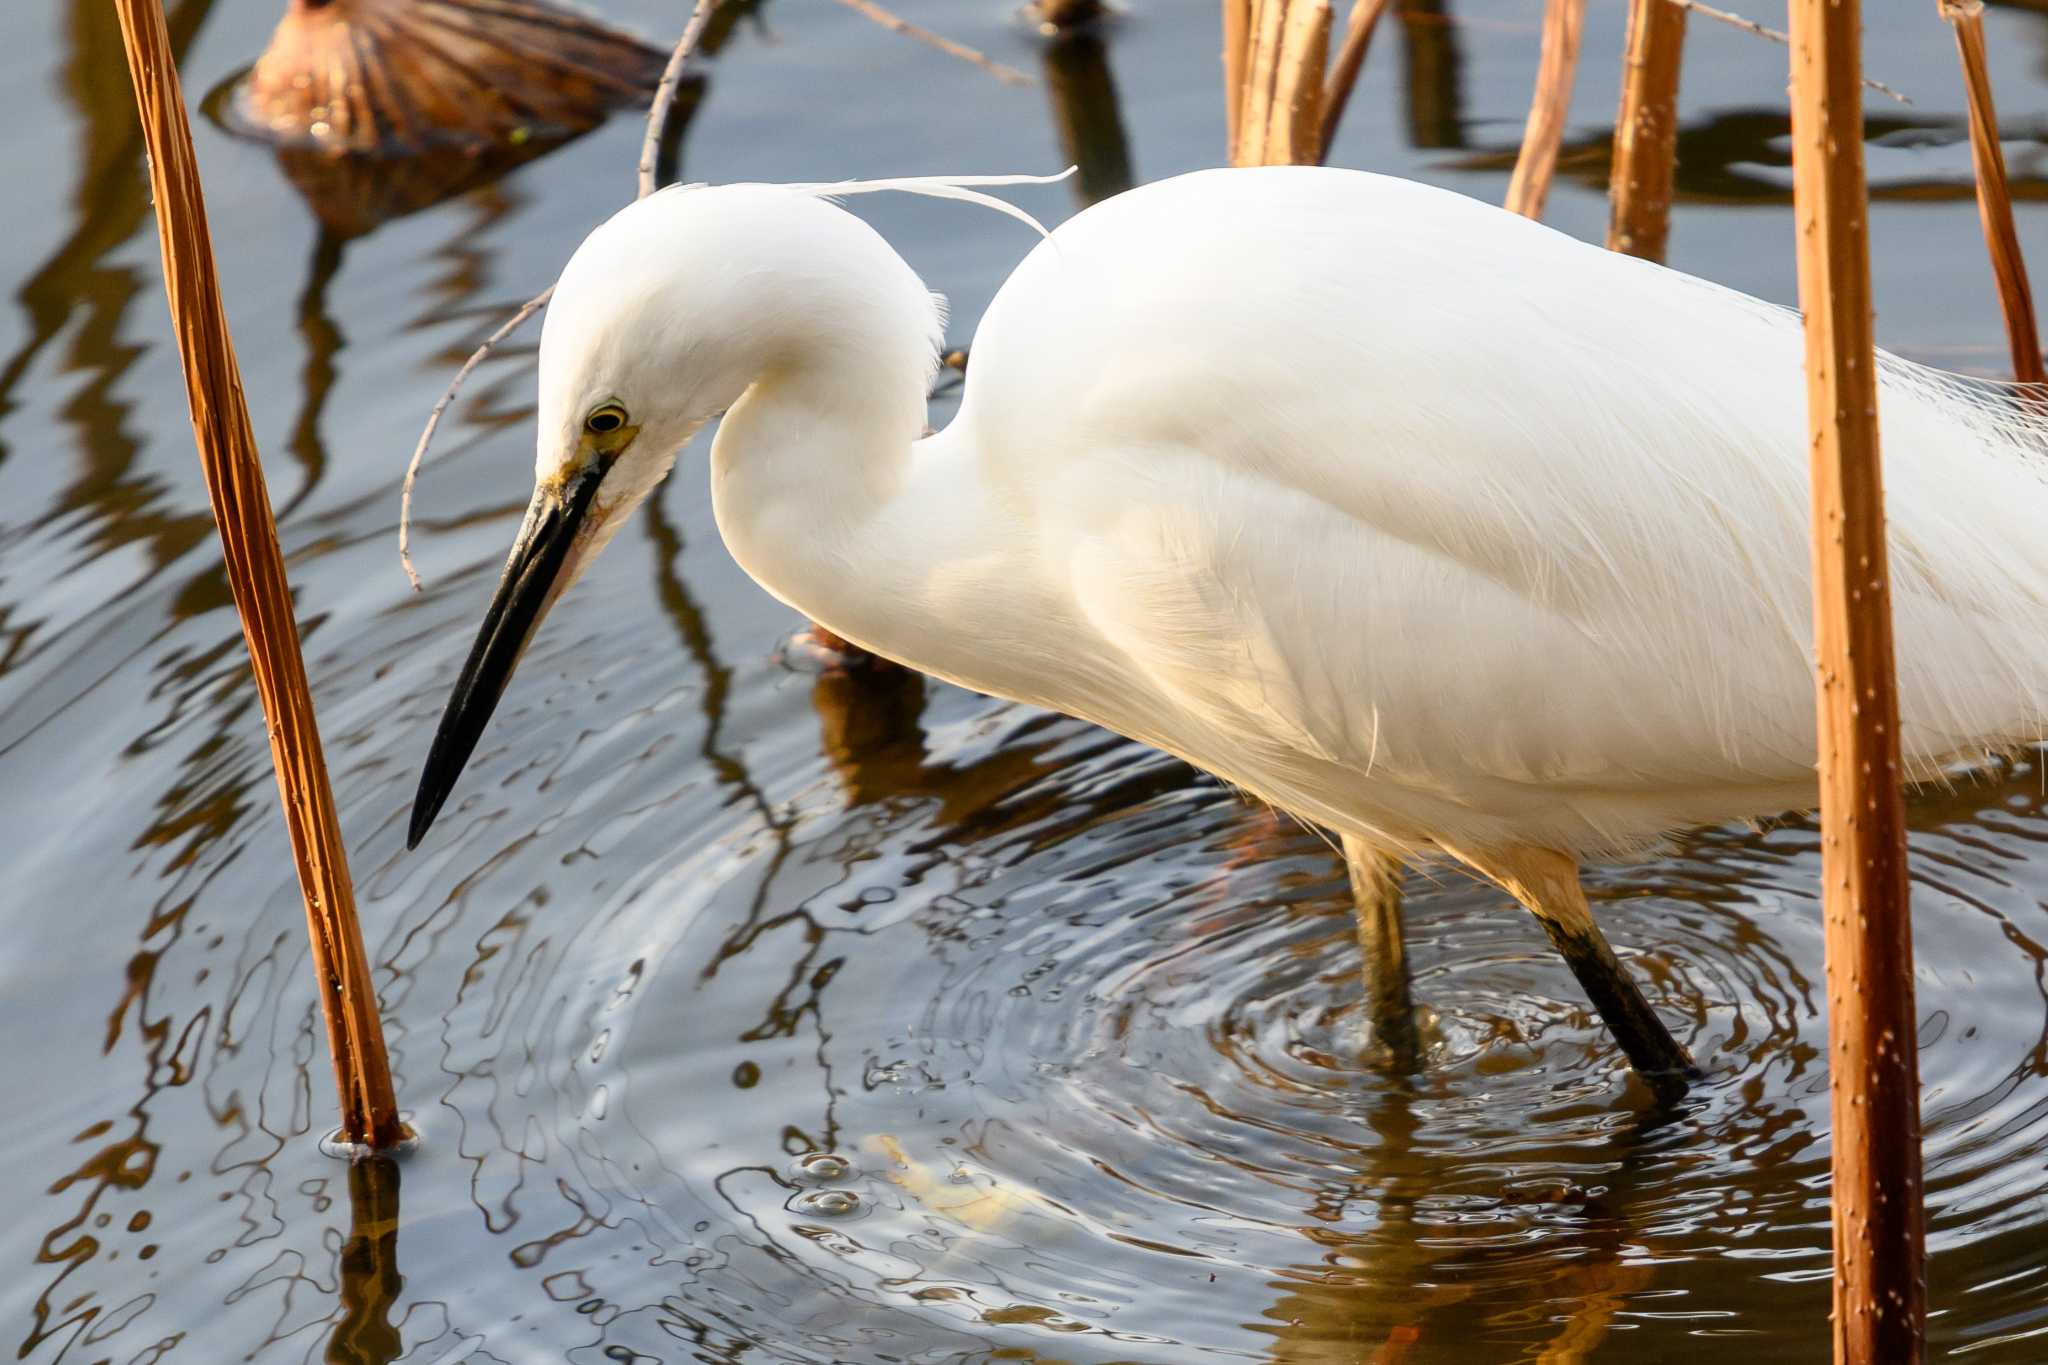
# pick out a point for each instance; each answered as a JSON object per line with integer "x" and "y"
{"x": 1419, "y": 517}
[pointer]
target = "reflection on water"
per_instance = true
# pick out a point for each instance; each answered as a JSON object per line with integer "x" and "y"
{"x": 749, "y": 1013}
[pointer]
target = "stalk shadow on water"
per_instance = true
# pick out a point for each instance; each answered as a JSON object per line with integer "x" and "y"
{"x": 370, "y": 1281}
{"x": 1086, "y": 114}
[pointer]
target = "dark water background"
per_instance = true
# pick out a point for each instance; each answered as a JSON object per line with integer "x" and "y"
{"x": 1074, "y": 1024}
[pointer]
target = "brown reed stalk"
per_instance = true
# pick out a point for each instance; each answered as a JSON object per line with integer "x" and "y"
{"x": 1994, "y": 203}
{"x": 1880, "y": 1301}
{"x": 1646, "y": 131}
{"x": 1529, "y": 186}
{"x": 255, "y": 567}
{"x": 1269, "y": 18}
{"x": 1295, "y": 134}
{"x": 1358, "y": 30}
{"x": 1237, "y": 25}
{"x": 1273, "y": 80}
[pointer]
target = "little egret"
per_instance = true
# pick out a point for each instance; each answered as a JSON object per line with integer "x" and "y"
{"x": 1410, "y": 516}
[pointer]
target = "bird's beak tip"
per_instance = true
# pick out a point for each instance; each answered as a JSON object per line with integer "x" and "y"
{"x": 533, "y": 575}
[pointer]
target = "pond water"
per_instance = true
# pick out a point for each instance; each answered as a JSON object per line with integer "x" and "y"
{"x": 747, "y": 1014}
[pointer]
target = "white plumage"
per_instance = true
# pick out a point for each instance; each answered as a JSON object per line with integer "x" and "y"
{"x": 1416, "y": 518}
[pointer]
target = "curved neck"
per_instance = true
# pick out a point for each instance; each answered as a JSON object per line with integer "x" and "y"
{"x": 805, "y": 470}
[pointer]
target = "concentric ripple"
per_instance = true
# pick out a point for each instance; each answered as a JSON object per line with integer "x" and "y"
{"x": 1096, "y": 1086}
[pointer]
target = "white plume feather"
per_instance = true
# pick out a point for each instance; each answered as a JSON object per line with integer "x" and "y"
{"x": 957, "y": 187}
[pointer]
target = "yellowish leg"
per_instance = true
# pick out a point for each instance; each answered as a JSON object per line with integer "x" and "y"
{"x": 1547, "y": 885}
{"x": 1376, "y": 902}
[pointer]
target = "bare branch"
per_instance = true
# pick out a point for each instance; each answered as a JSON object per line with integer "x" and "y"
{"x": 1008, "y": 75}
{"x": 419, "y": 452}
{"x": 665, "y": 93}
{"x": 1751, "y": 26}
{"x": 657, "y": 116}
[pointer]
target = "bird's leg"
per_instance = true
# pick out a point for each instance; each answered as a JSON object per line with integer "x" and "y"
{"x": 1547, "y": 885}
{"x": 1376, "y": 901}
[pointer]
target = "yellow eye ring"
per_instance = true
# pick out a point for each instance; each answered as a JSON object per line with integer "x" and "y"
{"x": 603, "y": 421}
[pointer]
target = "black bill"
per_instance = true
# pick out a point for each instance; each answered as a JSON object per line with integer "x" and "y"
{"x": 525, "y": 593}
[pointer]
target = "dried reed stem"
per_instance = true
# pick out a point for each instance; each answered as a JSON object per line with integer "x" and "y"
{"x": 1563, "y": 22}
{"x": 1358, "y": 30}
{"x": 1295, "y": 134}
{"x": 1262, "y": 61}
{"x": 255, "y": 568}
{"x": 657, "y": 119}
{"x": 1646, "y": 131}
{"x": 1008, "y": 75}
{"x": 1274, "y": 81}
{"x": 1994, "y": 205}
{"x": 1880, "y": 1293}
{"x": 1751, "y": 26}
{"x": 1237, "y": 24}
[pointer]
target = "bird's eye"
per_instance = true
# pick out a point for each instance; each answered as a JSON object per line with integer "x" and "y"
{"x": 602, "y": 421}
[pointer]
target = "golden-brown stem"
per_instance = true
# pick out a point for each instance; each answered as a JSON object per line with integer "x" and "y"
{"x": 1358, "y": 30}
{"x": 1262, "y": 61}
{"x": 1273, "y": 80}
{"x": 896, "y": 23}
{"x": 1994, "y": 205}
{"x": 1646, "y": 131}
{"x": 1295, "y": 135}
{"x": 255, "y": 569}
{"x": 1237, "y": 24}
{"x": 1563, "y": 22}
{"x": 1880, "y": 1293}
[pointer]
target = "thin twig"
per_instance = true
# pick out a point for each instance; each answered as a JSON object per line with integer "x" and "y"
{"x": 1008, "y": 75}
{"x": 1751, "y": 26}
{"x": 657, "y": 118}
{"x": 665, "y": 94}
{"x": 419, "y": 451}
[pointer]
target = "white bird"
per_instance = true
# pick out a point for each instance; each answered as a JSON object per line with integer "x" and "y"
{"x": 1412, "y": 517}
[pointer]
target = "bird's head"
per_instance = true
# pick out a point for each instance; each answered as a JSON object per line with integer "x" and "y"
{"x": 632, "y": 363}
{"x": 662, "y": 319}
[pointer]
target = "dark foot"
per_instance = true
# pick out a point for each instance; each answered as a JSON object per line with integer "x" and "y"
{"x": 1660, "y": 1059}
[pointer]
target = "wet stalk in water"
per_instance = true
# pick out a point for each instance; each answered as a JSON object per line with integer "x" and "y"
{"x": 255, "y": 566}
{"x": 1880, "y": 1295}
